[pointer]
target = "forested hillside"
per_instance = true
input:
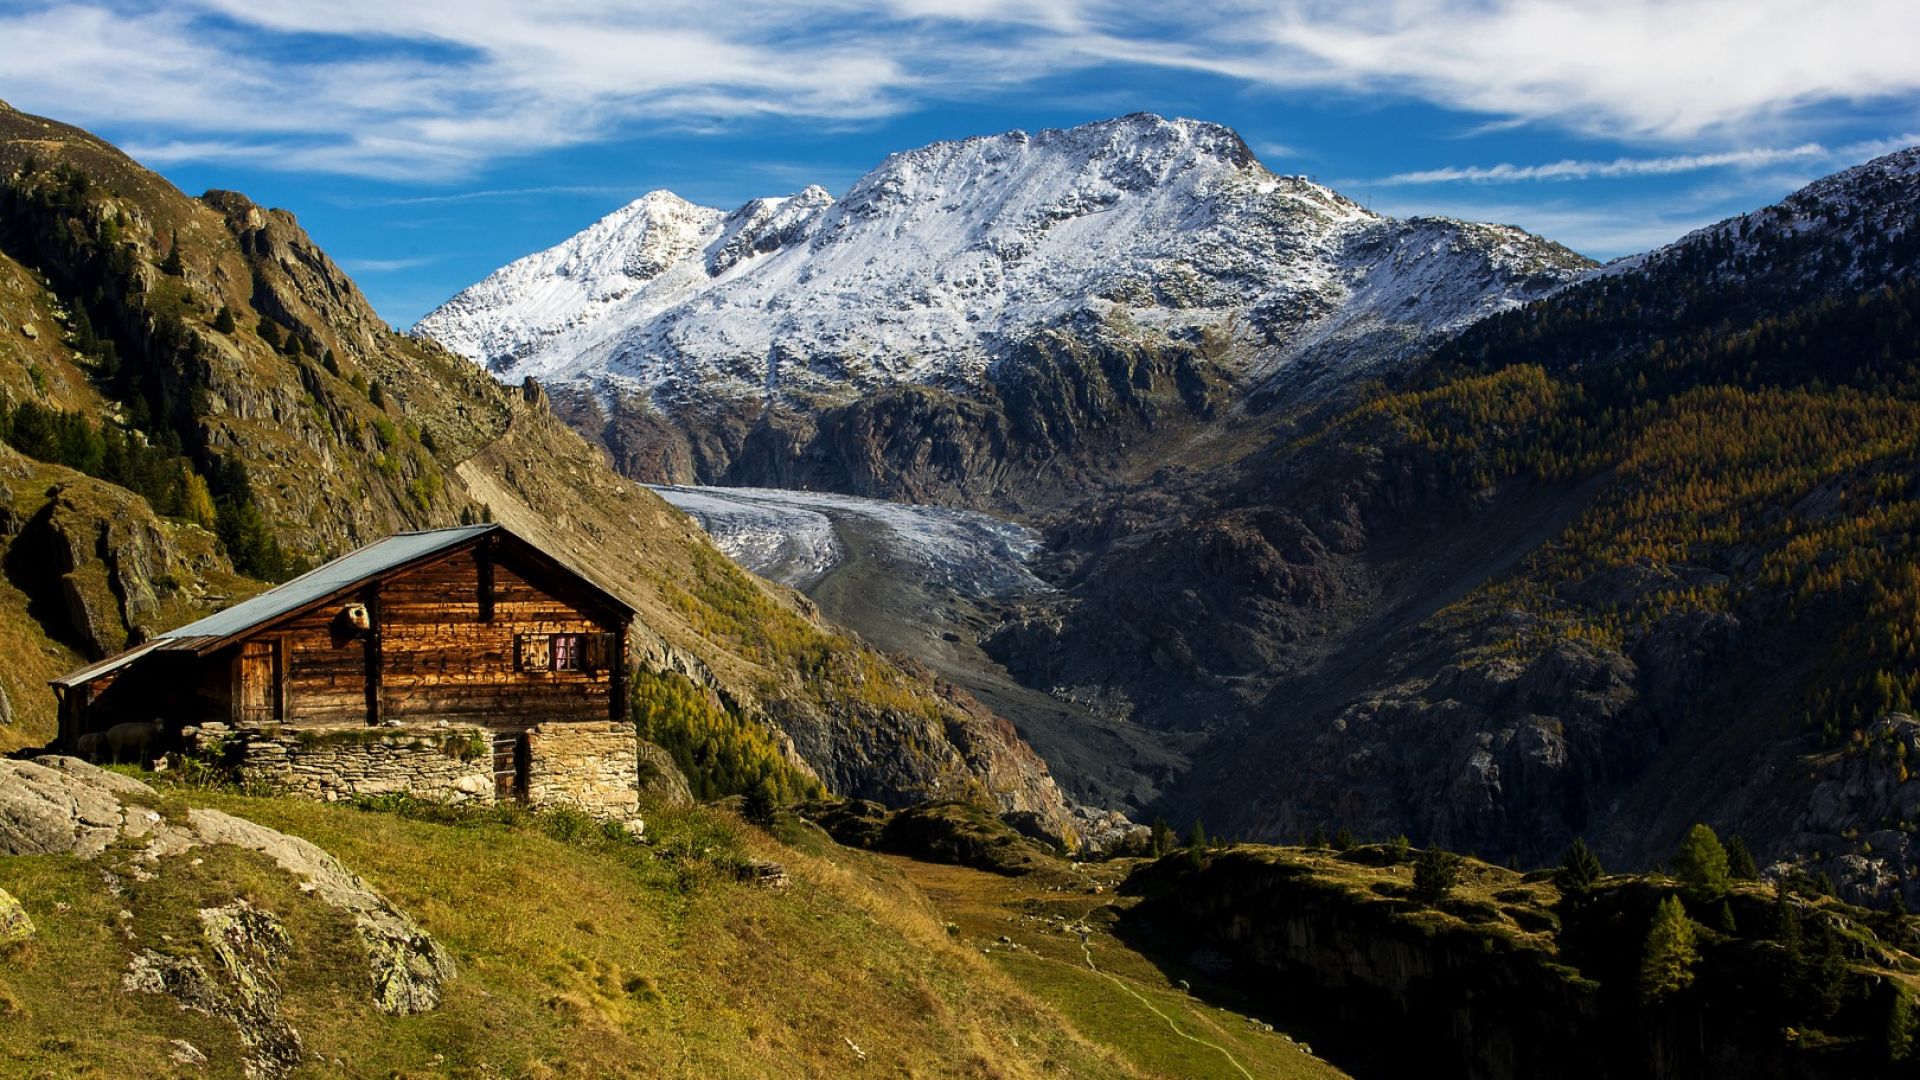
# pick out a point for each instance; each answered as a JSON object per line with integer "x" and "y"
{"x": 1638, "y": 554}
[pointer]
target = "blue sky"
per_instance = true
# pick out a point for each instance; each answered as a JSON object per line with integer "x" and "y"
{"x": 426, "y": 143}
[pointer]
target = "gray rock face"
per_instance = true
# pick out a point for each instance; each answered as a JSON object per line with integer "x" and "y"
{"x": 661, "y": 780}
{"x": 248, "y": 944}
{"x": 64, "y": 806}
{"x": 1857, "y": 825}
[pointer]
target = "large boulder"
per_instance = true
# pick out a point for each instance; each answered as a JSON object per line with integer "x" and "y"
{"x": 64, "y": 806}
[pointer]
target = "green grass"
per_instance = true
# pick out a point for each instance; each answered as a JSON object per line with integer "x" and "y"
{"x": 578, "y": 954}
{"x": 1128, "y": 1002}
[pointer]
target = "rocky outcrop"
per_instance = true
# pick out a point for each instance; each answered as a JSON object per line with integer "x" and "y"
{"x": 1858, "y": 824}
{"x": 248, "y": 945}
{"x": 113, "y": 570}
{"x": 63, "y": 806}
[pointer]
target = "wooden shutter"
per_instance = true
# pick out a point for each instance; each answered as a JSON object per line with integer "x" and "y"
{"x": 596, "y": 652}
{"x": 531, "y": 652}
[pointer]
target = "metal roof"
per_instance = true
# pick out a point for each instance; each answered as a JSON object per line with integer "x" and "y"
{"x": 342, "y": 573}
{"x": 101, "y": 667}
{"x": 315, "y": 585}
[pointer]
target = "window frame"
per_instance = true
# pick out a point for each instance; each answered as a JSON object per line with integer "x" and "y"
{"x": 564, "y": 653}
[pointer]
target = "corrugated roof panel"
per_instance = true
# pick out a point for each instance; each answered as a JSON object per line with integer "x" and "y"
{"x": 103, "y": 667}
{"x": 342, "y": 573}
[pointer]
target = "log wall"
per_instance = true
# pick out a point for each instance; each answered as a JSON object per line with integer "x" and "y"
{"x": 437, "y": 657}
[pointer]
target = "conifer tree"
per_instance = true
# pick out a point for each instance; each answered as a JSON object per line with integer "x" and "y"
{"x": 1897, "y": 1035}
{"x": 1666, "y": 966}
{"x": 1197, "y": 836}
{"x": 1163, "y": 838}
{"x": 223, "y": 322}
{"x": 1579, "y": 869}
{"x": 1701, "y": 863}
{"x": 172, "y": 267}
{"x": 1435, "y": 873}
{"x": 1740, "y": 864}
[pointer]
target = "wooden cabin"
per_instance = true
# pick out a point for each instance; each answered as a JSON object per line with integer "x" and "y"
{"x": 472, "y": 625}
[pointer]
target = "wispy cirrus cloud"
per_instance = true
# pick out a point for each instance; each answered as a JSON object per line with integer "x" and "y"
{"x": 388, "y": 266}
{"x": 433, "y": 89}
{"x": 1507, "y": 173}
{"x": 1617, "y": 168}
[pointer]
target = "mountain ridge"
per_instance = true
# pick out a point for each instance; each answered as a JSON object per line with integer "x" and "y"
{"x": 967, "y": 268}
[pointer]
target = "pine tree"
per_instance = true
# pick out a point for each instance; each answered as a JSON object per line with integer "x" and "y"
{"x": 1435, "y": 873}
{"x": 1740, "y": 864}
{"x": 1701, "y": 863}
{"x": 1344, "y": 839}
{"x": 173, "y": 267}
{"x": 269, "y": 332}
{"x": 1666, "y": 966}
{"x": 760, "y": 803}
{"x": 1579, "y": 870}
{"x": 1897, "y": 1035}
{"x": 223, "y": 322}
{"x": 1163, "y": 838}
{"x": 1197, "y": 836}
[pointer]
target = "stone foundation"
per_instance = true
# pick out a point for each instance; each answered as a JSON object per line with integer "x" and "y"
{"x": 451, "y": 764}
{"x": 592, "y": 766}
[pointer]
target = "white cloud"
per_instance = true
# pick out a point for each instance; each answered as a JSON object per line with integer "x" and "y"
{"x": 433, "y": 89}
{"x": 388, "y": 266}
{"x": 1507, "y": 173}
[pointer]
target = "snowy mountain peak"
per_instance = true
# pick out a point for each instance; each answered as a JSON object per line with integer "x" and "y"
{"x": 942, "y": 260}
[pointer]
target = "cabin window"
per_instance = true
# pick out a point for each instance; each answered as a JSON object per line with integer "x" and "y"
{"x": 531, "y": 652}
{"x": 566, "y": 652}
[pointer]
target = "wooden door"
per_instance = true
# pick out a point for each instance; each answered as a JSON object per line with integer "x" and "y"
{"x": 509, "y": 765}
{"x": 261, "y": 682}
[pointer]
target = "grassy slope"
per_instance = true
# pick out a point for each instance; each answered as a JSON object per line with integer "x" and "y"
{"x": 576, "y": 957}
{"x": 1130, "y": 1003}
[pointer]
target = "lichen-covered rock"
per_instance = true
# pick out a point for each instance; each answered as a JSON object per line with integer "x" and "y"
{"x": 61, "y": 805}
{"x": 1855, "y": 825}
{"x": 247, "y": 945}
{"x": 15, "y": 926}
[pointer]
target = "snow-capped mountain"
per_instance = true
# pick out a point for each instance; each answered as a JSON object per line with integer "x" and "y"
{"x": 938, "y": 262}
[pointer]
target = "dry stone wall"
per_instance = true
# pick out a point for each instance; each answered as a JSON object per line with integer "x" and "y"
{"x": 451, "y": 763}
{"x": 592, "y": 766}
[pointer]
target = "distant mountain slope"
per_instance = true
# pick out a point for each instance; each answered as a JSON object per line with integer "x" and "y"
{"x": 202, "y": 357}
{"x": 1633, "y": 556}
{"x": 1011, "y": 270}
